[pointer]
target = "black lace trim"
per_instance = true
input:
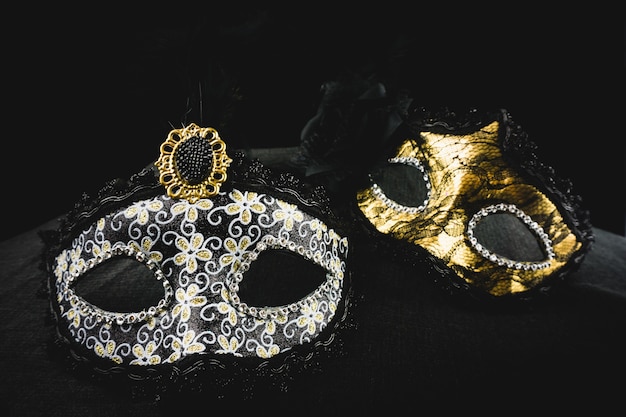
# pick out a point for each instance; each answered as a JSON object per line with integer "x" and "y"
{"x": 115, "y": 193}
{"x": 243, "y": 172}
{"x": 221, "y": 376}
{"x": 218, "y": 377}
{"x": 289, "y": 186}
{"x": 521, "y": 152}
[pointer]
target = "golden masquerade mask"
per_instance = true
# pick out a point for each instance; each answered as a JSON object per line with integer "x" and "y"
{"x": 456, "y": 193}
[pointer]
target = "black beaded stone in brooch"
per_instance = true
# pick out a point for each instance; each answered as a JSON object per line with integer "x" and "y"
{"x": 193, "y": 163}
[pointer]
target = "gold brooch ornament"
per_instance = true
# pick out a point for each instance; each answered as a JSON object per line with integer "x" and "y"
{"x": 193, "y": 163}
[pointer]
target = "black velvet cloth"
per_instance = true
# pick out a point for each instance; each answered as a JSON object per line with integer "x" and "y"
{"x": 412, "y": 345}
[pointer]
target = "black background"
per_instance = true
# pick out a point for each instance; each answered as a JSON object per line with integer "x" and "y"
{"x": 91, "y": 95}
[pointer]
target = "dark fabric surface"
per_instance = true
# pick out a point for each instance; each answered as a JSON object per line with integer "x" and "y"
{"x": 411, "y": 345}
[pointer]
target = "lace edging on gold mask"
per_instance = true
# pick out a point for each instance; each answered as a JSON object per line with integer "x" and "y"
{"x": 468, "y": 179}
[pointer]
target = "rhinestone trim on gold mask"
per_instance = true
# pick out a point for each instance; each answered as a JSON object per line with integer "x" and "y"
{"x": 468, "y": 173}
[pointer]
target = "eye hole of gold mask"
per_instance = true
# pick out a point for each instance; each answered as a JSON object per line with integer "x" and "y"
{"x": 402, "y": 183}
{"x": 120, "y": 284}
{"x": 491, "y": 229}
{"x": 292, "y": 279}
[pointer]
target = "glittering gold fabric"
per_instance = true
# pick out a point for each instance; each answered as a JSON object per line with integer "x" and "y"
{"x": 468, "y": 172}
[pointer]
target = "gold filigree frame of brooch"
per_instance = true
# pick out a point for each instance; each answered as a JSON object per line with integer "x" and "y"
{"x": 171, "y": 177}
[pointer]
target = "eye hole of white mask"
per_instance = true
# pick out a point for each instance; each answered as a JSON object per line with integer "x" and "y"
{"x": 506, "y": 235}
{"x": 120, "y": 284}
{"x": 403, "y": 181}
{"x": 278, "y": 277}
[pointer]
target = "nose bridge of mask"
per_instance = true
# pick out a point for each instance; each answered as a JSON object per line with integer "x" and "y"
{"x": 470, "y": 182}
